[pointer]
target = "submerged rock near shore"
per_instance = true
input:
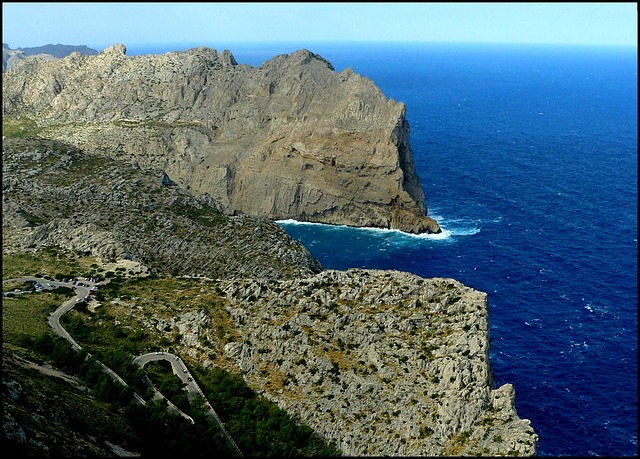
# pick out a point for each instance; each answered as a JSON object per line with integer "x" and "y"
{"x": 291, "y": 139}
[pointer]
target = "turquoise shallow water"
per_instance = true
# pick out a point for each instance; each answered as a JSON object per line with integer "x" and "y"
{"x": 528, "y": 158}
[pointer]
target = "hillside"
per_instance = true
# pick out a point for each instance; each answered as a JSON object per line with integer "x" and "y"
{"x": 57, "y": 195}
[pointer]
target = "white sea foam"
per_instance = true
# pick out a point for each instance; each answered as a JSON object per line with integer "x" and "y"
{"x": 295, "y": 222}
{"x": 460, "y": 229}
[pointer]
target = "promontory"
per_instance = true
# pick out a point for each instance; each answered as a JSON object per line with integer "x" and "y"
{"x": 291, "y": 139}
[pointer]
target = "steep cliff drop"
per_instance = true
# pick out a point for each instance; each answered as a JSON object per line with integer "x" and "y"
{"x": 292, "y": 138}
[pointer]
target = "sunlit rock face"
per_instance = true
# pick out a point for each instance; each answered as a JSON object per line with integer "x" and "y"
{"x": 292, "y": 138}
{"x": 383, "y": 363}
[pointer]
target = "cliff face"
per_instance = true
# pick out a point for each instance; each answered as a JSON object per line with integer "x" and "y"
{"x": 383, "y": 363}
{"x": 289, "y": 139}
{"x": 56, "y": 195}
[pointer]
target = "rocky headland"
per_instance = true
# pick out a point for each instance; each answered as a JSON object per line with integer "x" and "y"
{"x": 292, "y": 138}
{"x": 385, "y": 363}
{"x": 181, "y": 161}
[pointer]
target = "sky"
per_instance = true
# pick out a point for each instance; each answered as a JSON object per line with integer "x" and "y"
{"x": 98, "y": 25}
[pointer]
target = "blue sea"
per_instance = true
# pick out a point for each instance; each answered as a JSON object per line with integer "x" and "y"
{"x": 528, "y": 157}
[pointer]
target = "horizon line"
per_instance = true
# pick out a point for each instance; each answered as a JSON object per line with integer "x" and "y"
{"x": 211, "y": 43}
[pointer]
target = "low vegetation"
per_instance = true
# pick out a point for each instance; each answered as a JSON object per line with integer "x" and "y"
{"x": 26, "y": 314}
{"x": 19, "y": 127}
{"x": 50, "y": 262}
{"x": 257, "y": 425}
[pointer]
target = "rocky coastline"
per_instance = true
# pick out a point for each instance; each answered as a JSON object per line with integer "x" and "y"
{"x": 384, "y": 363}
{"x": 180, "y": 162}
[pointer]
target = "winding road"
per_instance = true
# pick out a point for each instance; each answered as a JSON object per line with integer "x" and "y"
{"x": 191, "y": 386}
{"x": 82, "y": 288}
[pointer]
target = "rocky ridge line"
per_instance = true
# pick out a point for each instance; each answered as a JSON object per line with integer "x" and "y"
{"x": 11, "y": 57}
{"x": 292, "y": 138}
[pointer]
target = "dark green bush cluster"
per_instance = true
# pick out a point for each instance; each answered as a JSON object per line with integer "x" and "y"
{"x": 158, "y": 431}
{"x": 257, "y": 425}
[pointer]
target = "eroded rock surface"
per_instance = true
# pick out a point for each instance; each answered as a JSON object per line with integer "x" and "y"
{"x": 292, "y": 138}
{"x": 384, "y": 363}
{"x": 54, "y": 194}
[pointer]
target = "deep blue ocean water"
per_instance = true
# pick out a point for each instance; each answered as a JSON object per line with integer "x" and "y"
{"x": 528, "y": 157}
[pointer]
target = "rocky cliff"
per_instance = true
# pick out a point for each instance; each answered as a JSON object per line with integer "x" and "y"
{"x": 380, "y": 362}
{"x": 292, "y": 138}
{"x": 384, "y": 363}
{"x": 56, "y": 195}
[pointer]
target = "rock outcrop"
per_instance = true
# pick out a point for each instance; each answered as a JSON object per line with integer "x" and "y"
{"x": 56, "y": 195}
{"x": 382, "y": 363}
{"x": 292, "y": 138}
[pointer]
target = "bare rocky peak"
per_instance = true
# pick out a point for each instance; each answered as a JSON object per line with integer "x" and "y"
{"x": 292, "y": 138}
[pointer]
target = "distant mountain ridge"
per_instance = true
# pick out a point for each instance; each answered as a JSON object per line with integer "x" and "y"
{"x": 58, "y": 50}
{"x": 11, "y": 57}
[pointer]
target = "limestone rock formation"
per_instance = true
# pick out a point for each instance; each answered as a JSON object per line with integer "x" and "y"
{"x": 56, "y": 195}
{"x": 383, "y": 363}
{"x": 292, "y": 138}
